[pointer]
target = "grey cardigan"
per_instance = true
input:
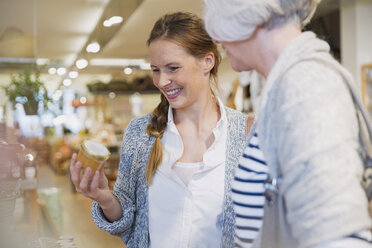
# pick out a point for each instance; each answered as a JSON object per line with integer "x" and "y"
{"x": 308, "y": 129}
{"x": 132, "y": 191}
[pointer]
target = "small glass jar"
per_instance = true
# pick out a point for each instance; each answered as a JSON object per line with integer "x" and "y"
{"x": 93, "y": 154}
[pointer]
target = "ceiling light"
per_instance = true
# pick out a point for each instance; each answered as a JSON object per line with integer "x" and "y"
{"x": 67, "y": 82}
{"x": 93, "y": 47}
{"x": 107, "y": 23}
{"x": 83, "y": 99}
{"x": 73, "y": 74}
{"x": 117, "y": 62}
{"x": 17, "y": 60}
{"x": 112, "y": 21}
{"x": 52, "y": 70}
{"x": 61, "y": 71}
{"x": 42, "y": 61}
{"x": 112, "y": 95}
{"x": 145, "y": 66}
{"x": 81, "y": 63}
{"x": 128, "y": 70}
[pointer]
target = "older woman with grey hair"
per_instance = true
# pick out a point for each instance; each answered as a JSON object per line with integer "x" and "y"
{"x": 306, "y": 135}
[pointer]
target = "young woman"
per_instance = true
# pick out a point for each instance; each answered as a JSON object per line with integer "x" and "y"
{"x": 306, "y": 135}
{"x": 177, "y": 163}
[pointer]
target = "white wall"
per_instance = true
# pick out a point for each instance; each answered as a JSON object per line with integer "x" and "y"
{"x": 356, "y": 35}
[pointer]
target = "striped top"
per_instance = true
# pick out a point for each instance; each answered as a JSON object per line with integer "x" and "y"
{"x": 248, "y": 193}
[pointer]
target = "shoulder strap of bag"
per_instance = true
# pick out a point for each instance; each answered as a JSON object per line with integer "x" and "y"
{"x": 365, "y": 124}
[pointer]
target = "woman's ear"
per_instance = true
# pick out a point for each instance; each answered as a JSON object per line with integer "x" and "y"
{"x": 208, "y": 62}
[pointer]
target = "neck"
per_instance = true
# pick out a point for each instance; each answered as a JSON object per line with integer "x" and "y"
{"x": 200, "y": 114}
{"x": 271, "y": 44}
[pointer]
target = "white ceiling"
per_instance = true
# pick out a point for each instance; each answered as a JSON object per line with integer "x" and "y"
{"x": 53, "y": 29}
{"x": 131, "y": 40}
{"x": 60, "y": 29}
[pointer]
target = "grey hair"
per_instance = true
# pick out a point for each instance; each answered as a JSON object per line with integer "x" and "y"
{"x": 234, "y": 20}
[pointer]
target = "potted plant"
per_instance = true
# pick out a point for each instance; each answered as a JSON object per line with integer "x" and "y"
{"x": 27, "y": 88}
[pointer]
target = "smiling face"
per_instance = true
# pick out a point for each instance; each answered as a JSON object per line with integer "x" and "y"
{"x": 182, "y": 78}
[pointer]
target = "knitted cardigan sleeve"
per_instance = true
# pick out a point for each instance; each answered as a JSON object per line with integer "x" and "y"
{"x": 124, "y": 189}
{"x": 318, "y": 155}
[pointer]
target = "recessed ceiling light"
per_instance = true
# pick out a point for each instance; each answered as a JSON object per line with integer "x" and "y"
{"x": 93, "y": 47}
{"x": 67, "y": 82}
{"x": 73, "y": 74}
{"x": 128, "y": 70}
{"x": 61, "y": 71}
{"x": 83, "y": 99}
{"x": 117, "y": 62}
{"x": 52, "y": 70}
{"x": 112, "y": 21}
{"x": 81, "y": 63}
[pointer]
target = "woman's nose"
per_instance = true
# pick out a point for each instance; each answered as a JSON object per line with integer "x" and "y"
{"x": 164, "y": 80}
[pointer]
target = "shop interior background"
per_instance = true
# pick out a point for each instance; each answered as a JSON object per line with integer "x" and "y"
{"x": 92, "y": 58}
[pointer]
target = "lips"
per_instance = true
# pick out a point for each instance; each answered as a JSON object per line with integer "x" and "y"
{"x": 173, "y": 93}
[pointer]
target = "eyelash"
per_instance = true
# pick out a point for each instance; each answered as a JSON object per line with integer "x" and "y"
{"x": 174, "y": 68}
{"x": 171, "y": 69}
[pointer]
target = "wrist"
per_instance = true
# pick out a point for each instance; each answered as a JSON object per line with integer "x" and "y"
{"x": 111, "y": 208}
{"x": 107, "y": 202}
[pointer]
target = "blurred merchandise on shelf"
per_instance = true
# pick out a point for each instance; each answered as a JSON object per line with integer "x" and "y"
{"x": 106, "y": 134}
{"x": 60, "y": 156}
{"x": 142, "y": 84}
{"x": 9, "y": 191}
{"x": 12, "y": 160}
{"x": 30, "y": 125}
{"x": 136, "y": 102}
{"x": 51, "y": 200}
{"x": 42, "y": 149}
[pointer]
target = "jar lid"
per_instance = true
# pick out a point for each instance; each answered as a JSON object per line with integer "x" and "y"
{"x": 95, "y": 149}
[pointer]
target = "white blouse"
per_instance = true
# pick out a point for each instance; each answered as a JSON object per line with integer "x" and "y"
{"x": 185, "y": 171}
{"x": 184, "y": 208}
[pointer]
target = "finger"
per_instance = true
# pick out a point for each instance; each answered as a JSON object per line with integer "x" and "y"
{"x": 72, "y": 161}
{"x": 85, "y": 179}
{"x": 95, "y": 182}
{"x": 103, "y": 182}
{"x": 73, "y": 158}
{"x": 102, "y": 171}
{"x": 75, "y": 173}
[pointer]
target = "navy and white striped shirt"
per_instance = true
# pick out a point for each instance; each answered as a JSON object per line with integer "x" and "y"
{"x": 248, "y": 193}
